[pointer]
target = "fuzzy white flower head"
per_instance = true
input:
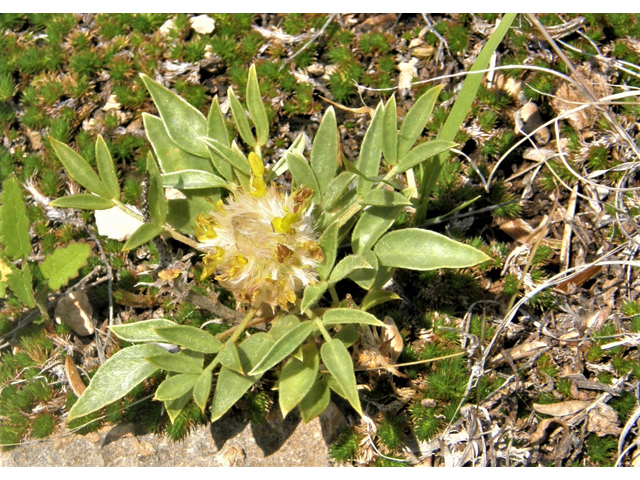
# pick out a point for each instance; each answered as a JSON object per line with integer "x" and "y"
{"x": 262, "y": 245}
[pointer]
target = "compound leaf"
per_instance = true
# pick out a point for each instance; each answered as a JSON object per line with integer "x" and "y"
{"x": 14, "y": 223}
{"x": 64, "y": 263}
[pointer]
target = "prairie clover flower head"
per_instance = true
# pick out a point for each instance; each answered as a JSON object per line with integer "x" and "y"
{"x": 261, "y": 243}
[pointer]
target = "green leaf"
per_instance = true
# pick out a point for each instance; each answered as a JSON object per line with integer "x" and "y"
{"x": 390, "y": 132}
{"x": 185, "y": 361}
{"x": 348, "y": 334}
{"x": 459, "y": 111}
{"x": 190, "y": 337}
{"x": 64, "y": 263}
{"x": 346, "y": 266}
{"x": 231, "y": 386}
{"x": 14, "y": 223}
{"x": 423, "y": 152}
{"x": 312, "y": 294}
{"x": 256, "y": 107}
{"x": 240, "y": 119}
{"x": 235, "y": 158}
{"x": 297, "y": 378}
{"x": 382, "y": 197}
{"x": 78, "y": 169}
{"x": 176, "y": 386}
{"x": 302, "y": 173}
{"x": 329, "y": 244}
{"x": 115, "y": 378}
{"x": 334, "y": 191}
{"x": 182, "y": 213}
{"x": 107, "y": 169}
{"x": 378, "y": 297}
{"x": 145, "y": 233}
{"x": 184, "y": 123}
{"x": 373, "y": 223}
{"x": 175, "y": 406}
{"x": 192, "y": 179}
{"x": 284, "y": 347}
{"x": 216, "y": 128}
{"x": 21, "y": 284}
{"x": 316, "y": 401}
{"x": 229, "y": 357}
{"x": 155, "y": 195}
{"x": 281, "y": 326}
{"x": 370, "y": 151}
{"x": 429, "y": 250}
{"x": 341, "y": 316}
{"x": 170, "y": 156}
{"x": 202, "y": 389}
{"x": 141, "y": 331}
{"x": 324, "y": 152}
{"x": 338, "y": 361}
{"x": 366, "y": 277}
{"x": 84, "y": 201}
{"x": 281, "y": 165}
{"x": 415, "y": 120}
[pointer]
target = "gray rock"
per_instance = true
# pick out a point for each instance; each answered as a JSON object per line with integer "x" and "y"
{"x": 228, "y": 442}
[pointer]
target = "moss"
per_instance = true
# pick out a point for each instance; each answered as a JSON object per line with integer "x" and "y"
{"x": 345, "y": 447}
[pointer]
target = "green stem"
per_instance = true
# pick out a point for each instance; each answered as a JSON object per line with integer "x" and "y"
{"x": 334, "y": 295}
{"x": 212, "y": 365}
{"x": 128, "y": 211}
{"x": 181, "y": 238}
{"x": 323, "y": 330}
{"x": 242, "y": 326}
{"x": 40, "y": 301}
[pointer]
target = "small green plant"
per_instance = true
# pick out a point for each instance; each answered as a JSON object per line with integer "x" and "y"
{"x": 269, "y": 249}
{"x": 15, "y": 241}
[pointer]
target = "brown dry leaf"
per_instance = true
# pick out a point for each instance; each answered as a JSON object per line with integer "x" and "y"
{"x": 578, "y": 278}
{"x": 528, "y": 119}
{"x": 169, "y": 273}
{"x": 379, "y": 19}
{"x": 358, "y": 111}
{"x": 77, "y": 385}
{"x": 517, "y": 229}
{"x": 521, "y": 351}
{"x": 562, "y": 409}
{"x": 568, "y": 97}
{"x": 508, "y": 84}
{"x": 392, "y": 339}
{"x": 537, "y": 437}
{"x": 603, "y": 420}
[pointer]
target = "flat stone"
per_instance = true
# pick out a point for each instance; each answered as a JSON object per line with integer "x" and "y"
{"x": 115, "y": 224}
{"x": 231, "y": 441}
{"x": 203, "y": 24}
{"x": 76, "y": 311}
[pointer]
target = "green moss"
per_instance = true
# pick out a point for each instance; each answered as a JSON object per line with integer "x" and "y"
{"x": 43, "y": 425}
{"x": 345, "y": 448}
{"x": 601, "y": 450}
{"x": 390, "y": 431}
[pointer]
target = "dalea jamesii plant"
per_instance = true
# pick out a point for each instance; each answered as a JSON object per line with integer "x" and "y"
{"x": 274, "y": 248}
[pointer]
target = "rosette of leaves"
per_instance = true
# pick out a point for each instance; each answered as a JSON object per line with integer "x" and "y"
{"x": 357, "y": 205}
{"x": 15, "y": 246}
